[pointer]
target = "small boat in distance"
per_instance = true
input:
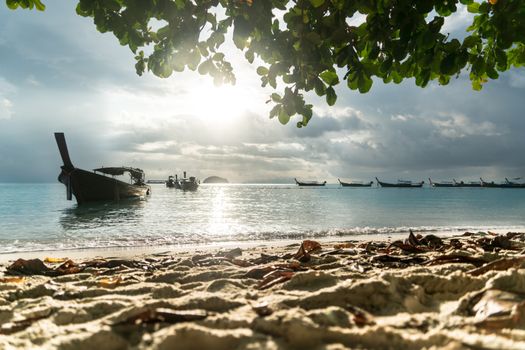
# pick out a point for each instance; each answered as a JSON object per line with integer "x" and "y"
{"x": 355, "y": 183}
{"x": 514, "y": 184}
{"x": 400, "y": 183}
{"x": 309, "y": 183}
{"x": 466, "y": 184}
{"x": 89, "y": 186}
{"x": 170, "y": 183}
{"x": 506, "y": 184}
{"x": 188, "y": 184}
{"x": 441, "y": 184}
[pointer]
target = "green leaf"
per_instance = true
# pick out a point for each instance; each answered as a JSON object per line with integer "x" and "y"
{"x": 39, "y": 5}
{"x": 448, "y": 65}
{"x": 275, "y": 111}
{"x": 473, "y": 7}
{"x": 329, "y": 77}
{"x": 317, "y": 3}
{"x": 219, "y": 56}
{"x": 262, "y": 70}
{"x": 249, "y": 55}
{"x": 471, "y": 41}
{"x": 331, "y": 96}
{"x": 284, "y": 118}
{"x": 364, "y": 83}
{"x": 12, "y": 4}
{"x": 476, "y": 85}
{"x": 319, "y": 87}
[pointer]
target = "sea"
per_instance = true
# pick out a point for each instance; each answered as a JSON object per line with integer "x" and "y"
{"x": 37, "y": 217}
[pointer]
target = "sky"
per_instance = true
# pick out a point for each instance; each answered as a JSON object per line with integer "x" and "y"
{"x": 57, "y": 73}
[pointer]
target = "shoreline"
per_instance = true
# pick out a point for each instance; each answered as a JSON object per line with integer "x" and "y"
{"x": 132, "y": 251}
{"x": 419, "y": 292}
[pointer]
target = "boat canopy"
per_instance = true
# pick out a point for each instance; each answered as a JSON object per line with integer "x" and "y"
{"x": 136, "y": 174}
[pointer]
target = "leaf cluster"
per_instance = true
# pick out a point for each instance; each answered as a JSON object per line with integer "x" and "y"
{"x": 314, "y": 45}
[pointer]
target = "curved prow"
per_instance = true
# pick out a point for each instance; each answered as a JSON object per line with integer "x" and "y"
{"x": 62, "y": 147}
{"x": 430, "y": 182}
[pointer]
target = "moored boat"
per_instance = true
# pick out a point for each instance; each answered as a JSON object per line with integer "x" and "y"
{"x": 95, "y": 186}
{"x": 514, "y": 184}
{"x": 309, "y": 183}
{"x": 506, "y": 184}
{"x": 188, "y": 184}
{"x": 401, "y": 183}
{"x": 355, "y": 183}
{"x": 441, "y": 184}
{"x": 170, "y": 183}
{"x": 466, "y": 184}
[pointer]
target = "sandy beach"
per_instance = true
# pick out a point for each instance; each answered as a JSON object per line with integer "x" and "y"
{"x": 421, "y": 292}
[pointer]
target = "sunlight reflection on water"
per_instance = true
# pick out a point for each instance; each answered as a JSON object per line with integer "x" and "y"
{"x": 37, "y": 216}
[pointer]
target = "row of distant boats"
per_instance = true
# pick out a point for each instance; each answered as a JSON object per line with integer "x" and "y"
{"x": 101, "y": 184}
{"x": 410, "y": 184}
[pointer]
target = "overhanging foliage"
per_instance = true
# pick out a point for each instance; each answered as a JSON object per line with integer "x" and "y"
{"x": 306, "y": 44}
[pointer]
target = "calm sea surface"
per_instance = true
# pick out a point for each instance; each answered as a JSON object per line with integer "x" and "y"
{"x": 37, "y": 217}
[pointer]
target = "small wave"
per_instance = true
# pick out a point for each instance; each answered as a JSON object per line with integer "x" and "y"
{"x": 136, "y": 241}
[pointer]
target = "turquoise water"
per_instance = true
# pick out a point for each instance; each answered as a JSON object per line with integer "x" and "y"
{"x": 36, "y": 217}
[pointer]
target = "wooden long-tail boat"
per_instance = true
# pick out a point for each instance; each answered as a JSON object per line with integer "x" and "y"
{"x": 466, "y": 184}
{"x": 513, "y": 184}
{"x": 506, "y": 184}
{"x": 400, "y": 183}
{"x": 188, "y": 184}
{"x": 170, "y": 183}
{"x": 441, "y": 184}
{"x": 89, "y": 186}
{"x": 309, "y": 183}
{"x": 355, "y": 183}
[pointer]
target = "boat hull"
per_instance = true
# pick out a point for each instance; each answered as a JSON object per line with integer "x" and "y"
{"x": 87, "y": 187}
{"x": 189, "y": 185}
{"x": 385, "y": 184}
{"x": 310, "y": 183}
{"x": 353, "y": 184}
{"x": 437, "y": 184}
{"x": 400, "y": 185}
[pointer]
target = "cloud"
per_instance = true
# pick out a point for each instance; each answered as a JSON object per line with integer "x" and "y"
{"x": 5, "y": 108}
{"x": 517, "y": 79}
{"x": 6, "y": 104}
{"x": 458, "y": 22}
{"x": 454, "y": 125}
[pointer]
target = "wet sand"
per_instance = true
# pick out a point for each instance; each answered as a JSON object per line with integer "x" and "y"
{"x": 427, "y": 292}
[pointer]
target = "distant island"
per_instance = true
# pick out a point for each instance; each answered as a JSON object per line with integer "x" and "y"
{"x": 215, "y": 180}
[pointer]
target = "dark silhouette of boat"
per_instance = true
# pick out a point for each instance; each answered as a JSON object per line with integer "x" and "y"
{"x": 309, "y": 183}
{"x": 506, "y": 184}
{"x": 89, "y": 186}
{"x": 466, "y": 184}
{"x": 513, "y": 184}
{"x": 170, "y": 183}
{"x": 188, "y": 184}
{"x": 355, "y": 184}
{"x": 401, "y": 183}
{"x": 441, "y": 184}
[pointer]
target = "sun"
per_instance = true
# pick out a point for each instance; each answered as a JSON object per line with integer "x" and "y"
{"x": 221, "y": 104}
